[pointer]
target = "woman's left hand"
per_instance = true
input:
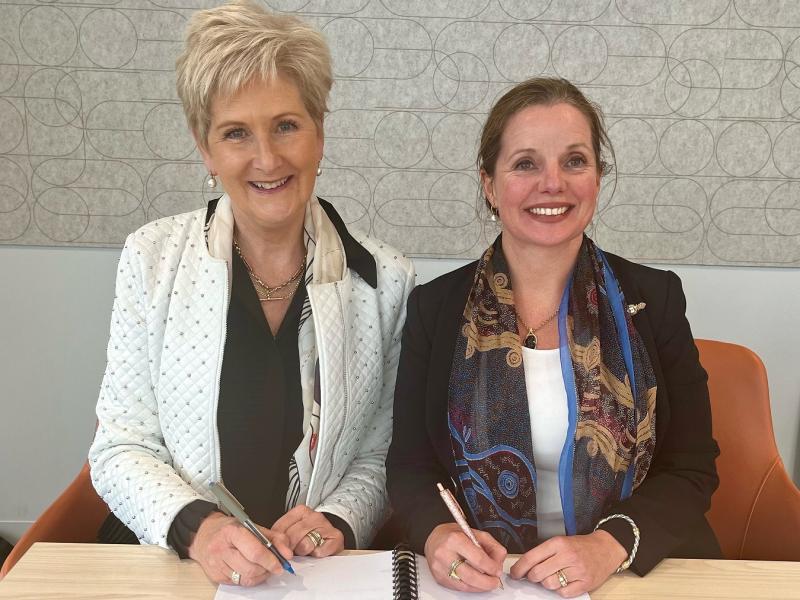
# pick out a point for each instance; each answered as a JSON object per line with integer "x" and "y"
{"x": 585, "y": 561}
{"x": 297, "y": 525}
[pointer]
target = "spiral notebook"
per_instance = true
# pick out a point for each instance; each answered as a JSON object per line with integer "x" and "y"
{"x": 398, "y": 574}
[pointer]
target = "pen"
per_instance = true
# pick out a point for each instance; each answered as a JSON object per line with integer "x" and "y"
{"x": 458, "y": 515}
{"x": 235, "y": 509}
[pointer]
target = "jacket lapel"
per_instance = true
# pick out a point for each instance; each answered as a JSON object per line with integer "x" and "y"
{"x": 641, "y": 320}
{"x": 443, "y": 347}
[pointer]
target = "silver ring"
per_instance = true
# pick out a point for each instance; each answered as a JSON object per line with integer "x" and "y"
{"x": 453, "y": 567}
{"x": 562, "y": 579}
{"x": 316, "y": 538}
{"x": 235, "y": 577}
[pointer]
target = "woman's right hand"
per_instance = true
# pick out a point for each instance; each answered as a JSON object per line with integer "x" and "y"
{"x": 223, "y": 546}
{"x": 480, "y": 573}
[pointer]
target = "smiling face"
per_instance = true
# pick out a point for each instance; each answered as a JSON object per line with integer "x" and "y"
{"x": 546, "y": 177}
{"x": 265, "y": 148}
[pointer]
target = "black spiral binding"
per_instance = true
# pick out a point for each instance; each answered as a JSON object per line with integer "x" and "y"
{"x": 404, "y": 573}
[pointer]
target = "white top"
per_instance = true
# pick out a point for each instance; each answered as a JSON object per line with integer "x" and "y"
{"x": 547, "y": 405}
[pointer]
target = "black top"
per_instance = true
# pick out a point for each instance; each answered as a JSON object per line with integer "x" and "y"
{"x": 259, "y": 411}
{"x": 668, "y": 506}
{"x": 260, "y": 408}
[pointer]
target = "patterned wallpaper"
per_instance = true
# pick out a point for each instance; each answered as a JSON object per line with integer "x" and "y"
{"x": 702, "y": 99}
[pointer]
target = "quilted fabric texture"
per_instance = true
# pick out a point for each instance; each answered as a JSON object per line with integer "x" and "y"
{"x": 156, "y": 446}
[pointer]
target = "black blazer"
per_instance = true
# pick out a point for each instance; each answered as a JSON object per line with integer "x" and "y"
{"x": 668, "y": 506}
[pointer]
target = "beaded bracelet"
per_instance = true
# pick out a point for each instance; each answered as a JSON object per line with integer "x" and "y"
{"x": 632, "y": 555}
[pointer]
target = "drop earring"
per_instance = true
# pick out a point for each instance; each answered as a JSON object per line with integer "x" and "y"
{"x": 319, "y": 170}
{"x": 211, "y": 181}
{"x": 493, "y": 212}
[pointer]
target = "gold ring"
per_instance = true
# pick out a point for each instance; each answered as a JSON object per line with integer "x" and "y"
{"x": 562, "y": 579}
{"x": 315, "y": 538}
{"x": 453, "y": 566}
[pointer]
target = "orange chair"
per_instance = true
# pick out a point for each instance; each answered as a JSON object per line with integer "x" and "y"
{"x": 755, "y": 513}
{"x": 75, "y": 516}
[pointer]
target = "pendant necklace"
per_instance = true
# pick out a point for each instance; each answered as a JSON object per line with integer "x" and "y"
{"x": 530, "y": 340}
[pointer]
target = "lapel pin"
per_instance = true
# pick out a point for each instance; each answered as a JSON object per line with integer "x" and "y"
{"x": 635, "y": 308}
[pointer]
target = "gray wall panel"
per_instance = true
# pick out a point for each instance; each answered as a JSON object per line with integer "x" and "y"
{"x": 702, "y": 100}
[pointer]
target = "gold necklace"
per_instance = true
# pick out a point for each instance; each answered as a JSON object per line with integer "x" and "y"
{"x": 266, "y": 293}
{"x": 530, "y": 339}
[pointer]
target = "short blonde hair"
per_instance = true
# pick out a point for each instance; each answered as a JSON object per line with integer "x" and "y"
{"x": 231, "y": 45}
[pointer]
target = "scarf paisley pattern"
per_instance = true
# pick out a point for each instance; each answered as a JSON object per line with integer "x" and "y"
{"x": 611, "y": 391}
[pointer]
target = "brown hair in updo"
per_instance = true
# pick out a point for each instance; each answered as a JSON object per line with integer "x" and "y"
{"x": 540, "y": 91}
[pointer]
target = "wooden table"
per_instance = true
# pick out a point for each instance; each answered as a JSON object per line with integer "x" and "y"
{"x": 95, "y": 571}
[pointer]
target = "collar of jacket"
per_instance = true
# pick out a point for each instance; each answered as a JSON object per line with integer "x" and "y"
{"x": 358, "y": 258}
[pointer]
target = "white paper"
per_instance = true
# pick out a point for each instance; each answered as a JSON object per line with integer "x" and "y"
{"x": 369, "y": 577}
{"x": 514, "y": 590}
{"x": 350, "y": 577}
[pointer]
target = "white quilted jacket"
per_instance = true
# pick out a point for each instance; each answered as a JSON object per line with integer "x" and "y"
{"x": 156, "y": 448}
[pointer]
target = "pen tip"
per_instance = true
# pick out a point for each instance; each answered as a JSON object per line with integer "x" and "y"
{"x": 290, "y": 569}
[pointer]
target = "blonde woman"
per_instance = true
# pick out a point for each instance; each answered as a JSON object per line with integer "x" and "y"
{"x": 254, "y": 341}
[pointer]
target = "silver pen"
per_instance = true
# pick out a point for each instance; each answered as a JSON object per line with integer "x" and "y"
{"x": 236, "y": 510}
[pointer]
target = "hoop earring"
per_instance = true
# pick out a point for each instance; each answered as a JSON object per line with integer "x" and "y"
{"x": 211, "y": 181}
{"x": 319, "y": 170}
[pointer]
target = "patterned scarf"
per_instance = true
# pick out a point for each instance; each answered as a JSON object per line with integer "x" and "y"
{"x": 611, "y": 391}
{"x": 325, "y": 263}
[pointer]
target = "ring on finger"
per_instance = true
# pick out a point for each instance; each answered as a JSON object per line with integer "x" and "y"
{"x": 236, "y": 577}
{"x": 316, "y": 538}
{"x": 454, "y": 567}
{"x": 562, "y": 578}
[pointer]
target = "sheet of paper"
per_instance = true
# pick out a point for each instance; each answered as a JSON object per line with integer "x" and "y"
{"x": 358, "y": 576}
{"x": 368, "y": 577}
{"x": 514, "y": 590}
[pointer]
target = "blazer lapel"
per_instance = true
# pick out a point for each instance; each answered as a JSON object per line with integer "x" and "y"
{"x": 443, "y": 347}
{"x": 641, "y": 320}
